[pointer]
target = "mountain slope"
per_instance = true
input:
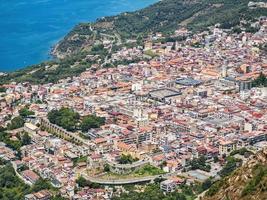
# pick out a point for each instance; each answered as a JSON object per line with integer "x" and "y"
{"x": 249, "y": 182}
{"x": 164, "y": 16}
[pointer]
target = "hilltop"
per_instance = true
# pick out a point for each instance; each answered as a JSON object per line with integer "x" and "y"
{"x": 165, "y": 16}
{"x": 248, "y": 182}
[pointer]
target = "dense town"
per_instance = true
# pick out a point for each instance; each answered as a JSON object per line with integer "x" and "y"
{"x": 189, "y": 100}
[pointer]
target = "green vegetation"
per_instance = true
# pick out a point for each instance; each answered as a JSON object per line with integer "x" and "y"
{"x": 259, "y": 173}
{"x": 71, "y": 120}
{"x": 106, "y": 168}
{"x": 153, "y": 192}
{"x": 243, "y": 152}
{"x": 149, "y": 170}
{"x": 58, "y": 197}
{"x": 42, "y": 184}
{"x": 82, "y": 182}
{"x": 247, "y": 182}
{"x": 231, "y": 164}
{"x": 215, "y": 188}
{"x": 2, "y": 89}
{"x": 2, "y": 162}
{"x": 79, "y": 160}
{"x": 16, "y": 122}
{"x": 26, "y": 139}
{"x": 49, "y": 72}
{"x": 11, "y": 187}
{"x": 127, "y": 159}
{"x": 91, "y": 121}
{"x": 98, "y": 48}
{"x": 165, "y": 16}
{"x": 151, "y": 54}
{"x": 65, "y": 117}
{"x": 13, "y": 144}
{"x": 215, "y": 159}
{"x": 146, "y": 170}
{"x": 25, "y": 112}
{"x": 22, "y": 139}
{"x": 260, "y": 81}
{"x": 206, "y": 184}
{"x": 199, "y": 163}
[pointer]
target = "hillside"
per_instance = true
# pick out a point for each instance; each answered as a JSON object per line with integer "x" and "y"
{"x": 249, "y": 182}
{"x": 83, "y": 46}
{"x": 164, "y": 16}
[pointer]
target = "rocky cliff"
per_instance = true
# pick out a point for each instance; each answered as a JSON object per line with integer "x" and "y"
{"x": 249, "y": 182}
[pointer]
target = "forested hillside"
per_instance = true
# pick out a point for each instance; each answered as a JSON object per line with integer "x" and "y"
{"x": 164, "y": 16}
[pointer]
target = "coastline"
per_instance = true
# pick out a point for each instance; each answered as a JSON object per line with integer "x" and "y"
{"x": 45, "y": 50}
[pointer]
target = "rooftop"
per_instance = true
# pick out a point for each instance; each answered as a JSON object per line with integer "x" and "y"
{"x": 188, "y": 82}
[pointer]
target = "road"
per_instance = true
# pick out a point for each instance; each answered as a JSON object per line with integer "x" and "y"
{"x": 125, "y": 181}
{"x": 120, "y": 181}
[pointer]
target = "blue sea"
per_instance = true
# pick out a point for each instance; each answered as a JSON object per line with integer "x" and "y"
{"x": 29, "y": 28}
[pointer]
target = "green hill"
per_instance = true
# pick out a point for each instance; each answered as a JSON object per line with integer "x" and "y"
{"x": 165, "y": 16}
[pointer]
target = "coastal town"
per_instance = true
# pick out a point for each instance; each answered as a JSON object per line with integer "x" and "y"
{"x": 174, "y": 116}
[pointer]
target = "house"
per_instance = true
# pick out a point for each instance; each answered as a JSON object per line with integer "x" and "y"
{"x": 226, "y": 147}
{"x": 170, "y": 185}
{"x": 30, "y": 128}
{"x": 41, "y": 195}
{"x": 172, "y": 166}
{"x": 128, "y": 149}
{"x": 30, "y": 176}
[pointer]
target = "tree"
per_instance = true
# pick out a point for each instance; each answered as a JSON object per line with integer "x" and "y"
{"x": 230, "y": 166}
{"x": 215, "y": 159}
{"x": 206, "y": 184}
{"x": 260, "y": 81}
{"x": 127, "y": 159}
{"x": 2, "y": 89}
{"x": 26, "y": 139}
{"x": 91, "y": 121}
{"x": 106, "y": 168}
{"x": 5, "y": 137}
{"x": 64, "y": 117}
{"x": 41, "y": 184}
{"x": 200, "y": 163}
{"x": 16, "y": 122}
{"x": 25, "y": 112}
{"x": 11, "y": 187}
{"x": 82, "y": 182}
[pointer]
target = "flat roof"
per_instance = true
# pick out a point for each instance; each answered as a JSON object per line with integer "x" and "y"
{"x": 188, "y": 81}
{"x": 164, "y": 93}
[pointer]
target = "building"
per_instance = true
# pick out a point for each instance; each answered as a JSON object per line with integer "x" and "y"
{"x": 30, "y": 176}
{"x": 41, "y": 195}
{"x": 188, "y": 82}
{"x": 30, "y": 128}
{"x": 226, "y": 147}
{"x": 170, "y": 185}
{"x": 245, "y": 85}
{"x": 165, "y": 95}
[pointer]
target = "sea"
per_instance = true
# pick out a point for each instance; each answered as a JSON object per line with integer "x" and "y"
{"x": 29, "y": 28}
